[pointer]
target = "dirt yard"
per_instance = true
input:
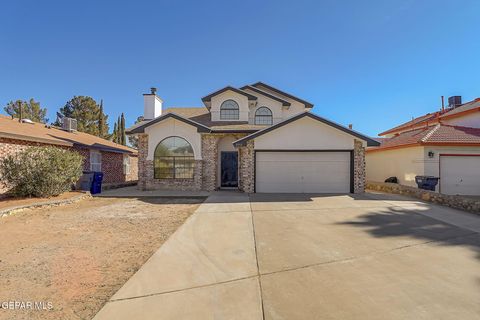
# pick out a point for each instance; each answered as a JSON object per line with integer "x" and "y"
{"x": 74, "y": 257}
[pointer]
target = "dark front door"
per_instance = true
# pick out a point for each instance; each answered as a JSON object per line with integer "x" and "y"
{"x": 229, "y": 169}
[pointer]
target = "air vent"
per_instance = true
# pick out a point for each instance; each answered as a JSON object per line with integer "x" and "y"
{"x": 69, "y": 124}
{"x": 454, "y": 101}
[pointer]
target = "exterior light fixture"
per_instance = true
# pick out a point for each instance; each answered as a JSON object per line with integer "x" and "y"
{"x": 431, "y": 154}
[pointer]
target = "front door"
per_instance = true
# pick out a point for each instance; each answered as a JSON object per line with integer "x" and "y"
{"x": 229, "y": 169}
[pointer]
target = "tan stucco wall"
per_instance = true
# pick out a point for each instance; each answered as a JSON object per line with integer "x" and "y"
{"x": 305, "y": 133}
{"x": 405, "y": 164}
{"x": 172, "y": 127}
{"x": 240, "y": 99}
{"x": 432, "y": 164}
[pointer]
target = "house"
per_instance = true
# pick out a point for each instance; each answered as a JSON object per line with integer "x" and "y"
{"x": 256, "y": 138}
{"x": 117, "y": 162}
{"x": 444, "y": 144}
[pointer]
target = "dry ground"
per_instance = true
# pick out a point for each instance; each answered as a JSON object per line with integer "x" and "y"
{"x": 77, "y": 256}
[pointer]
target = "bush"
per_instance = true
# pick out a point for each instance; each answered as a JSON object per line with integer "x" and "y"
{"x": 41, "y": 171}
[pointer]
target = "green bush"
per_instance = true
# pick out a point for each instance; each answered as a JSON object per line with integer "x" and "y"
{"x": 41, "y": 171}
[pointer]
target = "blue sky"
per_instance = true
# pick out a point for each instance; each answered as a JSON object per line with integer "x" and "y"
{"x": 371, "y": 63}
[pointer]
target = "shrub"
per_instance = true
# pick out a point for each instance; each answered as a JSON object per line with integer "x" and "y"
{"x": 41, "y": 171}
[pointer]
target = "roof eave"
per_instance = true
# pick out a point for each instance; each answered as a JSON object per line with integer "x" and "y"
{"x": 141, "y": 129}
{"x": 306, "y": 103}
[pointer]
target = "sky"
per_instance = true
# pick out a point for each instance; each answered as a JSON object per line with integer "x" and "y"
{"x": 373, "y": 64}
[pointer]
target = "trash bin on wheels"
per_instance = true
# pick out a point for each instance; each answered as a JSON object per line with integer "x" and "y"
{"x": 85, "y": 181}
{"x": 426, "y": 182}
{"x": 96, "y": 183}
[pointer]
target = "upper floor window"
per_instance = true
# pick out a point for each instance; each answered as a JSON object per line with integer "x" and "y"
{"x": 173, "y": 159}
{"x": 229, "y": 110}
{"x": 263, "y": 115}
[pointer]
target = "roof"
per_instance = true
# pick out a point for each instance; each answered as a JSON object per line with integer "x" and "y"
{"x": 39, "y": 132}
{"x": 440, "y": 134}
{"x": 470, "y": 106}
{"x": 200, "y": 118}
{"x": 370, "y": 141}
{"x": 261, "y": 84}
{"x": 266, "y": 94}
{"x": 433, "y": 117}
{"x": 209, "y": 97}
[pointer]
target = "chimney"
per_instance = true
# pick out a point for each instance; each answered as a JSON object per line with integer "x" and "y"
{"x": 152, "y": 105}
{"x": 454, "y": 101}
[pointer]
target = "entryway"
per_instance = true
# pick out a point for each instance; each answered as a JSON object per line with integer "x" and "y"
{"x": 229, "y": 169}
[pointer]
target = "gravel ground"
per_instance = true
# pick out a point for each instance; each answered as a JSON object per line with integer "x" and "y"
{"x": 77, "y": 256}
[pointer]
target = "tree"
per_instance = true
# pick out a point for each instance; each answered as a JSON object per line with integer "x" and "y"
{"x": 132, "y": 140}
{"x": 30, "y": 110}
{"x": 115, "y": 132}
{"x": 123, "y": 137}
{"x": 88, "y": 114}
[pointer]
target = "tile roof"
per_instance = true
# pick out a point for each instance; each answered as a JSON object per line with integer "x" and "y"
{"x": 39, "y": 132}
{"x": 438, "y": 134}
{"x": 471, "y": 105}
{"x": 414, "y": 122}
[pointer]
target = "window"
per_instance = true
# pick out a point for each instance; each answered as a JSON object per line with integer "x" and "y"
{"x": 95, "y": 161}
{"x": 173, "y": 159}
{"x": 229, "y": 110}
{"x": 126, "y": 164}
{"x": 263, "y": 116}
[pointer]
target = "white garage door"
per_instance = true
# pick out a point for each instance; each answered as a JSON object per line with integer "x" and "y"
{"x": 303, "y": 172}
{"x": 460, "y": 175}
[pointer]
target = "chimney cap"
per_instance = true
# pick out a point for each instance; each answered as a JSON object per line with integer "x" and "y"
{"x": 153, "y": 90}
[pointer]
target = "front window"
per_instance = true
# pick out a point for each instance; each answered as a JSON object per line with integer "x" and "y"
{"x": 229, "y": 110}
{"x": 95, "y": 161}
{"x": 173, "y": 159}
{"x": 263, "y": 116}
{"x": 126, "y": 164}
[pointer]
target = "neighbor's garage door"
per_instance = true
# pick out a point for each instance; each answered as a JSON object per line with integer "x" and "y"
{"x": 460, "y": 174}
{"x": 302, "y": 172}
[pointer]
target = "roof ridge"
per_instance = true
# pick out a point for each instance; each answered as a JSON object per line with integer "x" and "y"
{"x": 429, "y": 134}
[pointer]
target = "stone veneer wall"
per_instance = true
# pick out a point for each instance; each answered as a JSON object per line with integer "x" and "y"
{"x": 359, "y": 167}
{"x": 457, "y": 202}
{"x": 247, "y": 167}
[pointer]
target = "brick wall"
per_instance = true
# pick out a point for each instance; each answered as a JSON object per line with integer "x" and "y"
{"x": 112, "y": 163}
{"x": 247, "y": 167}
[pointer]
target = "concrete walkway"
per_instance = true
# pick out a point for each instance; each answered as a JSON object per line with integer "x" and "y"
{"x": 371, "y": 256}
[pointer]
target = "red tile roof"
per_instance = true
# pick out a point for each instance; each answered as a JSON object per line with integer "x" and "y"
{"x": 440, "y": 134}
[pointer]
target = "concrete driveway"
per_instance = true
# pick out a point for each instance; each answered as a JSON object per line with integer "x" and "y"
{"x": 370, "y": 256}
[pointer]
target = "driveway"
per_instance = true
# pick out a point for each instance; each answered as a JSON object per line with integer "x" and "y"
{"x": 370, "y": 256}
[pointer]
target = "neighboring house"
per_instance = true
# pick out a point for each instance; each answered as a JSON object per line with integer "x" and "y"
{"x": 444, "y": 144}
{"x": 255, "y": 139}
{"x": 117, "y": 162}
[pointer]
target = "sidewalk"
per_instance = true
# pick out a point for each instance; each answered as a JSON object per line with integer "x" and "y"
{"x": 207, "y": 269}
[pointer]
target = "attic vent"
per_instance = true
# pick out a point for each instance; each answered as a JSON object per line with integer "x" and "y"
{"x": 454, "y": 101}
{"x": 69, "y": 124}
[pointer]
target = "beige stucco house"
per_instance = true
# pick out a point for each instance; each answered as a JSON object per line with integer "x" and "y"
{"x": 255, "y": 138}
{"x": 444, "y": 144}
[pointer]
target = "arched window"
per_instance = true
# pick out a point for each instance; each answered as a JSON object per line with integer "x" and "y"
{"x": 173, "y": 159}
{"x": 229, "y": 110}
{"x": 263, "y": 116}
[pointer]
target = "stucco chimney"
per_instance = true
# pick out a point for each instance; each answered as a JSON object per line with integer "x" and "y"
{"x": 152, "y": 105}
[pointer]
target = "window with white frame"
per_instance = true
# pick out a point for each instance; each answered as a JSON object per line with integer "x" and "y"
{"x": 95, "y": 161}
{"x": 126, "y": 164}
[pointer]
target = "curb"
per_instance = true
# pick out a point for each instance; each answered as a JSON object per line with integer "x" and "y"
{"x": 52, "y": 203}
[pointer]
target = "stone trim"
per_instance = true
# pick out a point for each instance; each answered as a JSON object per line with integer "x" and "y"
{"x": 359, "y": 167}
{"x": 247, "y": 167}
{"x": 456, "y": 202}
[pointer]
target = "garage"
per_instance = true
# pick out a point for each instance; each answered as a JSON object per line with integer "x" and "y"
{"x": 303, "y": 172}
{"x": 460, "y": 174}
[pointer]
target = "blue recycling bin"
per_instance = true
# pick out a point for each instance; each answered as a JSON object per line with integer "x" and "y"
{"x": 96, "y": 183}
{"x": 426, "y": 182}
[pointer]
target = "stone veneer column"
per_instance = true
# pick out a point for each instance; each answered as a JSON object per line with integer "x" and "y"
{"x": 209, "y": 157}
{"x": 142, "y": 161}
{"x": 247, "y": 167}
{"x": 359, "y": 167}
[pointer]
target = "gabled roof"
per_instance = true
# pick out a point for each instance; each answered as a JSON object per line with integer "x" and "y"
{"x": 468, "y": 107}
{"x": 429, "y": 117}
{"x": 261, "y": 84}
{"x": 266, "y": 94}
{"x": 370, "y": 141}
{"x": 209, "y": 97}
{"x": 440, "y": 134}
{"x": 40, "y": 132}
{"x": 140, "y": 128}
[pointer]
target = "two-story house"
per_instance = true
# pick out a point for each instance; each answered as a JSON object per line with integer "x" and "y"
{"x": 443, "y": 144}
{"x": 255, "y": 138}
